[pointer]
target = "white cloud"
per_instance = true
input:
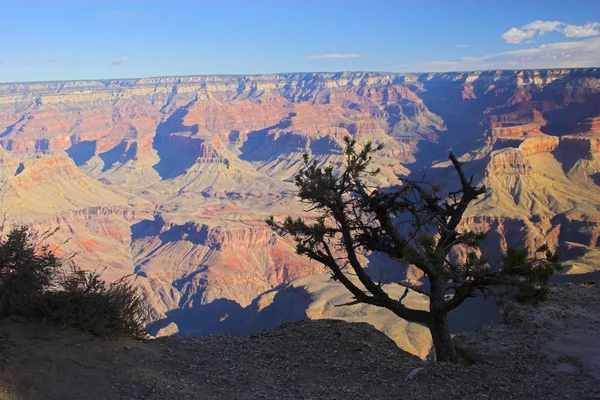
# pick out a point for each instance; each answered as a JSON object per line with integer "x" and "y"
{"x": 589, "y": 29}
{"x": 585, "y": 53}
{"x": 334, "y": 55}
{"x": 120, "y": 60}
{"x": 516, "y": 35}
{"x": 538, "y": 28}
{"x": 543, "y": 26}
{"x": 463, "y": 45}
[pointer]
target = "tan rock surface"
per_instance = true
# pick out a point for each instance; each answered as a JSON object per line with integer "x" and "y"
{"x": 172, "y": 178}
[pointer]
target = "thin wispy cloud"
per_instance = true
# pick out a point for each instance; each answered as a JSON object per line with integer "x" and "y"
{"x": 584, "y": 53}
{"x": 536, "y": 29}
{"x": 334, "y": 56}
{"x": 49, "y": 60}
{"x": 123, "y": 15}
{"x": 120, "y": 60}
{"x": 463, "y": 45}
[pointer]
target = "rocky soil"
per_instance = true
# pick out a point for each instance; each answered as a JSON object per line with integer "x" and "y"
{"x": 546, "y": 352}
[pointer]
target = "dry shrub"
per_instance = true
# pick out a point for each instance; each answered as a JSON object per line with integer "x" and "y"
{"x": 86, "y": 302}
{"x": 34, "y": 284}
{"x": 27, "y": 270}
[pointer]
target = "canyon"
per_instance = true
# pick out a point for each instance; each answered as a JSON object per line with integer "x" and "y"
{"x": 170, "y": 179}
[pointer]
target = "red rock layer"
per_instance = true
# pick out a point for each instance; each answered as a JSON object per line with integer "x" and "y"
{"x": 589, "y": 127}
{"x": 44, "y": 171}
{"x": 583, "y": 146}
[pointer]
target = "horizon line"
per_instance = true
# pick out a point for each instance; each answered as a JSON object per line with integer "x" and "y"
{"x": 296, "y": 73}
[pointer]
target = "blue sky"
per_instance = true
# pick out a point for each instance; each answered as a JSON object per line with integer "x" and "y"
{"x": 62, "y": 40}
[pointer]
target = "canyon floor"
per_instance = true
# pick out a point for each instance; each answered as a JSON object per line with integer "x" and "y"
{"x": 551, "y": 351}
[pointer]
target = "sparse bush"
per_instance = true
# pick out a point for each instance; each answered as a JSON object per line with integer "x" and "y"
{"x": 86, "y": 302}
{"x": 27, "y": 270}
{"x": 33, "y": 283}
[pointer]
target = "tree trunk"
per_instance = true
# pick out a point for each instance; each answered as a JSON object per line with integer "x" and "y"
{"x": 442, "y": 341}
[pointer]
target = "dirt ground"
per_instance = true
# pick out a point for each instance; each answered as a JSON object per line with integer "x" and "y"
{"x": 322, "y": 359}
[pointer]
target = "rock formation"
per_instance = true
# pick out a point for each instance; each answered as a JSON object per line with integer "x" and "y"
{"x": 171, "y": 178}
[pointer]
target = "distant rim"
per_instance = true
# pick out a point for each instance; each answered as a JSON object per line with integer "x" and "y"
{"x": 302, "y": 73}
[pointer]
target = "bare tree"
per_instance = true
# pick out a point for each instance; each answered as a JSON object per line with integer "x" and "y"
{"x": 413, "y": 225}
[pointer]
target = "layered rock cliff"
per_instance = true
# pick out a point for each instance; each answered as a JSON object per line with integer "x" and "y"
{"x": 171, "y": 178}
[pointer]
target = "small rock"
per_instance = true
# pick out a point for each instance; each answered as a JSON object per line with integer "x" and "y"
{"x": 567, "y": 368}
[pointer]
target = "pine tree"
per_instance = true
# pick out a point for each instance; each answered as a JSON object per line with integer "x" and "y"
{"x": 414, "y": 225}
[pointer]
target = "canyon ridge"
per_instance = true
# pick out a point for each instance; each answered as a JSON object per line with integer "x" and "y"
{"x": 171, "y": 179}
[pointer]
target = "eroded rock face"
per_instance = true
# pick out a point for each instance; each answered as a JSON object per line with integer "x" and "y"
{"x": 172, "y": 178}
{"x": 508, "y": 162}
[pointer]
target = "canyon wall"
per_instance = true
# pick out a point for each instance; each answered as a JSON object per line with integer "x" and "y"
{"x": 171, "y": 179}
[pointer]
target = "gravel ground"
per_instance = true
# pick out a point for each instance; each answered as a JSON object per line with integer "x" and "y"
{"x": 325, "y": 359}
